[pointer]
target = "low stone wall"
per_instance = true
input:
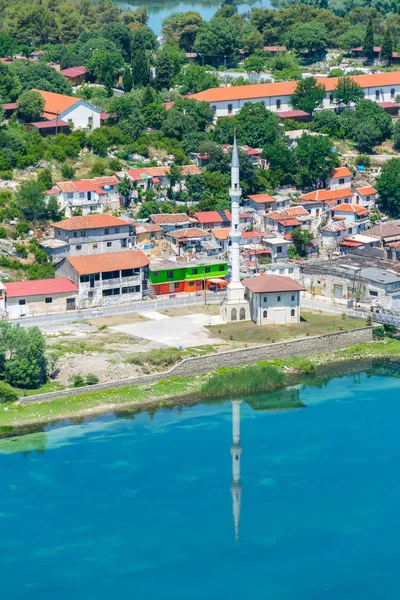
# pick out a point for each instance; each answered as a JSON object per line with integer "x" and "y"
{"x": 234, "y": 358}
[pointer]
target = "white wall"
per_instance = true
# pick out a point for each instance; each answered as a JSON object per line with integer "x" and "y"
{"x": 79, "y": 114}
{"x": 335, "y": 182}
{"x": 278, "y": 306}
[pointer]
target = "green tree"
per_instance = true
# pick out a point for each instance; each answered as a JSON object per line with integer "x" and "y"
{"x": 164, "y": 71}
{"x": 45, "y": 179}
{"x": 22, "y": 356}
{"x": 281, "y": 163}
{"x": 148, "y": 208}
{"x": 181, "y": 29}
{"x": 315, "y": 160}
{"x": 125, "y": 188}
{"x": 195, "y": 79}
{"x": 328, "y": 122}
{"x": 30, "y": 200}
{"x": 67, "y": 171}
{"x": 308, "y": 38}
{"x": 387, "y": 46}
{"x": 218, "y": 38}
{"x": 347, "y": 91}
{"x": 301, "y": 238}
{"x": 396, "y": 135}
{"x": 388, "y": 187}
{"x": 103, "y": 65}
{"x": 121, "y": 36}
{"x": 7, "y": 45}
{"x": 140, "y": 68}
{"x": 255, "y": 63}
{"x": 368, "y": 125}
{"x": 30, "y": 106}
{"x": 10, "y": 86}
{"x": 308, "y": 95}
{"x": 369, "y": 43}
{"x": 127, "y": 80}
{"x": 256, "y": 125}
{"x": 53, "y": 209}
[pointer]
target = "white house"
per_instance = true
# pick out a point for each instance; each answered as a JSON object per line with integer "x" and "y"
{"x": 2, "y": 301}
{"x": 273, "y": 299}
{"x": 340, "y": 178}
{"x": 39, "y": 297}
{"x": 88, "y": 195}
{"x": 352, "y": 213}
{"x": 379, "y": 87}
{"x": 76, "y": 111}
{"x": 365, "y": 196}
{"x": 335, "y": 231}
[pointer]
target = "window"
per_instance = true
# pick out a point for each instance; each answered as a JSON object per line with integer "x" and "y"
{"x": 368, "y": 198}
{"x": 70, "y": 195}
{"x": 278, "y": 104}
{"x": 87, "y": 278}
{"x": 208, "y": 269}
{"x": 78, "y": 247}
{"x": 112, "y": 292}
{"x": 195, "y": 271}
{"x": 90, "y": 121}
{"x": 392, "y": 93}
{"x": 106, "y": 231}
{"x": 292, "y": 313}
{"x": 94, "y": 246}
{"x": 292, "y": 297}
{"x": 279, "y": 249}
{"x": 117, "y": 230}
{"x": 265, "y": 299}
{"x": 176, "y": 285}
{"x": 90, "y": 295}
{"x": 109, "y": 244}
{"x": 341, "y": 180}
{"x": 281, "y": 271}
{"x": 22, "y": 302}
{"x": 170, "y": 274}
{"x": 214, "y": 109}
{"x": 130, "y": 272}
{"x": 48, "y": 300}
{"x": 110, "y": 275}
{"x": 74, "y": 234}
{"x": 331, "y": 100}
{"x": 373, "y": 293}
{"x": 132, "y": 289}
{"x": 221, "y": 268}
{"x": 278, "y": 299}
{"x": 230, "y": 109}
{"x": 291, "y": 270}
{"x": 156, "y": 274}
{"x": 265, "y": 314}
{"x": 377, "y": 94}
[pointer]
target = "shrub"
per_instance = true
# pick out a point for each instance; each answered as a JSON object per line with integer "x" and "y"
{"x": 3, "y": 233}
{"x": 378, "y": 332}
{"x": 91, "y": 379}
{"x": 7, "y": 393}
{"x": 67, "y": 171}
{"x": 245, "y": 380}
{"x": 363, "y": 160}
{"x": 78, "y": 381}
{"x": 390, "y": 329}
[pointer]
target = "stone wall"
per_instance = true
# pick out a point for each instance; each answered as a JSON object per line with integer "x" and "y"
{"x": 235, "y": 358}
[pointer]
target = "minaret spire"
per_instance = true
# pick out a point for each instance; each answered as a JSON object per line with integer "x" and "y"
{"x": 235, "y": 234}
{"x": 236, "y": 451}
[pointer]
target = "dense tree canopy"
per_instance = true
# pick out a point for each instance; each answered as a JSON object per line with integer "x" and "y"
{"x": 308, "y": 95}
{"x": 388, "y": 186}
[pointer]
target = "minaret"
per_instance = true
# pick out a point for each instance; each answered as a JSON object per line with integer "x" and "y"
{"x": 235, "y": 287}
{"x": 236, "y": 451}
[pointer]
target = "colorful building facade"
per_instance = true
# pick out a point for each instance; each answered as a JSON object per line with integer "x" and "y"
{"x": 167, "y": 277}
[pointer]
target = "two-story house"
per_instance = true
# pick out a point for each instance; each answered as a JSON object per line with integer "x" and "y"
{"x": 107, "y": 279}
{"x": 87, "y": 195}
{"x": 169, "y": 222}
{"x": 211, "y": 219}
{"x": 340, "y": 178}
{"x": 93, "y": 234}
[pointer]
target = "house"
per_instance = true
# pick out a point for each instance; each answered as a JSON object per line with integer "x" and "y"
{"x": 170, "y": 222}
{"x": 170, "y": 277}
{"x": 313, "y": 207}
{"x": 340, "y": 178}
{"x": 274, "y": 49}
{"x": 70, "y": 109}
{"x": 277, "y": 96}
{"x": 107, "y": 279}
{"x": 92, "y": 234}
{"x": 300, "y": 116}
{"x": 329, "y": 197}
{"x": 75, "y": 75}
{"x": 2, "y": 301}
{"x": 40, "y": 297}
{"x": 147, "y": 233}
{"x": 222, "y": 238}
{"x": 352, "y": 213}
{"x": 262, "y": 203}
{"x": 155, "y": 178}
{"x": 388, "y": 238}
{"x": 35, "y": 56}
{"x": 366, "y": 196}
{"x": 251, "y": 237}
{"x": 87, "y": 195}
{"x": 335, "y": 231}
{"x": 213, "y": 218}
{"x": 192, "y": 239}
{"x": 284, "y": 221}
{"x": 278, "y": 247}
{"x": 9, "y": 109}
{"x": 273, "y": 299}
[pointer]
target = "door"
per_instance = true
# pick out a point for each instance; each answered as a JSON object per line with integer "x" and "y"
{"x": 280, "y": 316}
{"x": 71, "y": 305}
{"x": 338, "y": 292}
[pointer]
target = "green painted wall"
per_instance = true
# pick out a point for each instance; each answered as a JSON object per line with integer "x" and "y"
{"x": 186, "y": 273}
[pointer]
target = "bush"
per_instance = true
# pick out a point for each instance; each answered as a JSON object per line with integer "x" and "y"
{"x": 363, "y": 160}
{"x": 3, "y": 233}
{"x": 78, "y": 381}
{"x": 91, "y": 379}
{"x": 67, "y": 171}
{"x": 378, "y": 332}
{"x": 7, "y": 393}
{"x": 245, "y": 380}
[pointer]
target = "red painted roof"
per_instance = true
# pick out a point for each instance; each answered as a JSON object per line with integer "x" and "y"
{"x": 388, "y": 105}
{"x": 39, "y": 287}
{"x": 365, "y": 191}
{"x": 289, "y": 222}
{"x": 213, "y": 216}
{"x": 274, "y": 48}
{"x": 74, "y": 72}
{"x": 326, "y": 195}
{"x": 10, "y": 106}
{"x": 351, "y": 243}
{"x": 292, "y": 114}
{"x": 350, "y": 208}
{"x": 262, "y": 198}
{"x": 49, "y": 124}
{"x": 104, "y": 116}
{"x": 272, "y": 283}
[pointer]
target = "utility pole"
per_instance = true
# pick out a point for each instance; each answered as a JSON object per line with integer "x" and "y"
{"x": 205, "y": 289}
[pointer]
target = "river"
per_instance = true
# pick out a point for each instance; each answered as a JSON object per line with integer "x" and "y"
{"x": 291, "y": 505}
{"x": 159, "y": 10}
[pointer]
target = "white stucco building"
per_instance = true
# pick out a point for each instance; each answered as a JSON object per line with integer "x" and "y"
{"x": 379, "y": 87}
{"x": 87, "y": 195}
{"x": 70, "y": 109}
{"x": 273, "y": 299}
{"x": 39, "y": 297}
{"x": 340, "y": 178}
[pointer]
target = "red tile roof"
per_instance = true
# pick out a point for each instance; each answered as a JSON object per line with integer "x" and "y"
{"x": 110, "y": 261}
{"x": 272, "y": 283}
{"x": 39, "y": 287}
{"x": 262, "y": 198}
{"x": 341, "y": 172}
{"x": 350, "y": 208}
{"x": 292, "y": 114}
{"x": 191, "y": 232}
{"x": 289, "y": 222}
{"x": 49, "y": 124}
{"x": 367, "y": 190}
{"x": 213, "y": 216}
{"x": 221, "y": 234}
{"x": 90, "y": 222}
{"x": 286, "y": 88}
{"x": 171, "y": 218}
{"x": 251, "y": 234}
{"x": 74, "y": 72}
{"x": 96, "y": 184}
{"x": 324, "y": 195}
{"x": 10, "y": 106}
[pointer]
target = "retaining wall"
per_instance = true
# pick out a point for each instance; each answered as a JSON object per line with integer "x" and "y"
{"x": 234, "y": 358}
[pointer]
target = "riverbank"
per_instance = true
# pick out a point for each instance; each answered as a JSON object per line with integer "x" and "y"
{"x": 15, "y": 418}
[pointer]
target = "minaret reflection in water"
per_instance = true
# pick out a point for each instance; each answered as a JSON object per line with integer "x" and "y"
{"x": 236, "y": 451}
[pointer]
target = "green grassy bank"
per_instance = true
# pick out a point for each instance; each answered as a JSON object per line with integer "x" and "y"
{"x": 226, "y": 382}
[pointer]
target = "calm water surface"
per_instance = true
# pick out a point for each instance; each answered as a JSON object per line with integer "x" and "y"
{"x": 159, "y": 10}
{"x": 145, "y": 508}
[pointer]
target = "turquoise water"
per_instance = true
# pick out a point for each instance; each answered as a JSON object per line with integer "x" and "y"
{"x": 142, "y": 507}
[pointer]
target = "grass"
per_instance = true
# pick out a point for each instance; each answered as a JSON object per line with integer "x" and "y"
{"x": 312, "y": 323}
{"x": 245, "y": 380}
{"x": 164, "y": 358}
{"x": 205, "y": 309}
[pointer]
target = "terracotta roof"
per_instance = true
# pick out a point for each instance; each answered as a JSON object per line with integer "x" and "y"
{"x": 286, "y": 88}
{"x": 292, "y": 114}
{"x": 272, "y": 283}
{"x": 147, "y": 228}
{"x": 49, "y": 124}
{"x": 276, "y": 215}
{"x": 341, "y": 172}
{"x": 56, "y": 103}
{"x": 384, "y": 230}
{"x": 351, "y": 243}
{"x": 191, "y": 232}
{"x": 90, "y": 222}
{"x": 261, "y": 198}
{"x": 274, "y": 48}
{"x": 251, "y": 234}
{"x": 336, "y": 226}
{"x": 74, "y": 72}
{"x": 110, "y": 261}
{"x": 289, "y": 222}
{"x": 245, "y": 215}
{"x": 297, "y": 211}
{"x": 150, "y": 172}
{"x": 221, "y": 234}
{"x": 171, "y": 219}
{"x": 213, "y": 216}
{"x": 10, "y": 106}
{"x": 351, "y": 208}
{"x": 367, "y": 190}
{"x": 324, "y": 195}
{"x": 39, "y": 287}
{"x": 86, "y": 185}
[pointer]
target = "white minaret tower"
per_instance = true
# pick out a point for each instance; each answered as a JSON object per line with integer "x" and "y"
{"x": 236, "y": 451}
{"x": 235, "y": 307}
